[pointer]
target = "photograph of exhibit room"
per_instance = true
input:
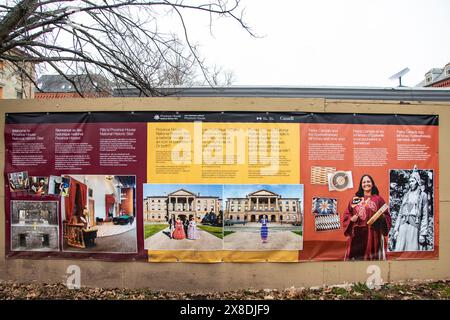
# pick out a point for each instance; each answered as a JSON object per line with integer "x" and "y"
{"x": 253, "y": 206}
{"x": 183, "y": 217}
{"x": 99, "y": 214}
{"x": 34, "y": 226}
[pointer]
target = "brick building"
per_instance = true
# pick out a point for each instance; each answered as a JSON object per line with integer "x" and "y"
{"x": 15, "y": 82}
{"x": 437, "y": 77}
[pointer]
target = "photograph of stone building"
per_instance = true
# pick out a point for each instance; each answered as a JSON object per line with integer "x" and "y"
{"x": 263, "y": 217}
{"x": 251, "y": 208}
{"x": 34, "y": 226}
{"x": 183, "y": 217}
{"x": 182, "y": 203}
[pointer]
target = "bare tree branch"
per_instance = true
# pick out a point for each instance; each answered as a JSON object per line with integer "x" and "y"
{"x": 122, "y": 39}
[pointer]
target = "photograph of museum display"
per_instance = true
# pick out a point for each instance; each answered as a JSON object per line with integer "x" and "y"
{"x": 34, "y": 225}
{"x": 99, "y": 214}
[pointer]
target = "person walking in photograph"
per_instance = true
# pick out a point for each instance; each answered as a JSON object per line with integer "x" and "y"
{"x": 264, "y": 229}
{"x": 366, "y": 242}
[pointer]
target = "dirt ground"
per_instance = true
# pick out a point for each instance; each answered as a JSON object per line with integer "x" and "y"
{"x": 412, "y": 290}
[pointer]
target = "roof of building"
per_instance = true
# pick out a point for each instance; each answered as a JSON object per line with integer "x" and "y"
{"x": 344, "y": 93}
{"x": 435, "y": 70}
{"x": 206, "y": 197}
{"x": 263, "y": 192}
{"x": 197, "y": 197}
{"x": 85, "y": 83}
{"x": 440, "y": 74}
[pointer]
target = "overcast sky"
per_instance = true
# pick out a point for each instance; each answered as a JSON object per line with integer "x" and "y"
{"x": 330, "y": 42}
{"x": 242, "y": 190}
{"x": 211, "y": 190}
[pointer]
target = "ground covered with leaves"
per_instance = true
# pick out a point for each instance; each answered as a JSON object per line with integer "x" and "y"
{"x": 437, "y": 290}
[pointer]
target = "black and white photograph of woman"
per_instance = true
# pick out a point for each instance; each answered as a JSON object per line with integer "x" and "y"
{"x": 411, "y": 202}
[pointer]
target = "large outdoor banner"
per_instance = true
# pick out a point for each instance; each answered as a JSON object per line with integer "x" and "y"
{"x": 221, "y": 186}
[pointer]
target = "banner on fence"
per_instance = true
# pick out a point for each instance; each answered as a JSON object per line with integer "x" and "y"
{"x": 227, "y": 186}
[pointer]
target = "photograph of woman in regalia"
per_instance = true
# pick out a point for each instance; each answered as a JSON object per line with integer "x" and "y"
{"x": 264, "y": 229}
{"x": 412, "y": 212}
{"x": 364, "y": 241}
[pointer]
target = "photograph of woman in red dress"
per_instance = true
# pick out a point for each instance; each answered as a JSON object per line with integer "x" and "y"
{"x": 366, "y": 242}
{"x": 179, "y": 233}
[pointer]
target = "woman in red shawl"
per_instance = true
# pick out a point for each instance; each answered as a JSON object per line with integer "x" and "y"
{"x": 366, "y": 242}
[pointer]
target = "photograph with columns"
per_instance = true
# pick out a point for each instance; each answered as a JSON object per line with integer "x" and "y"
{"x": 263, "y": 217}
{"x": 183, "y": 217}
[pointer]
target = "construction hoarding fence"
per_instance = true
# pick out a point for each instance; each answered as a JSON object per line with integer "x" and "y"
{"x": 195, "y": 184}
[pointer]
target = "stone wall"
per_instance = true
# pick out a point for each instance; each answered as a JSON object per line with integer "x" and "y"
{"x": 34, "y": 237}
{"x": 49, "y": 207}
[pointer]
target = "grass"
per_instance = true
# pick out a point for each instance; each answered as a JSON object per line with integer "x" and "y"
{"x": 360, "y": 287}
{"x": 215, "y": 231}
{"x": 298, "y": 232}
{"x": 151, "y": 229}
{"x": 437, "y": 286}
{"x": 226, "y": 233}
{"x": 446, "y": 293}
{"x": 340, "y": 292}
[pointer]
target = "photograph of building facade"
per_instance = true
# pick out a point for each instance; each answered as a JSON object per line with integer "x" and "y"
{"x": 256, "y": 204}
{"x": 182, "y": 203}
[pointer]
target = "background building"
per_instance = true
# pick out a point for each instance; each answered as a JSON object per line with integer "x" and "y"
{"x": 14, "y": 84}
{"x": 57, "y": 86}
{"x": 182, "y": 203}
{"x": 256, "y": 204}
{"x": 437, "y": 77}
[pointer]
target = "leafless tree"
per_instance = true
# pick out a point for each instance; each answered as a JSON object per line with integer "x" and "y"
{"x": 122, "y": 39}
{"x": 220, "y": 77}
